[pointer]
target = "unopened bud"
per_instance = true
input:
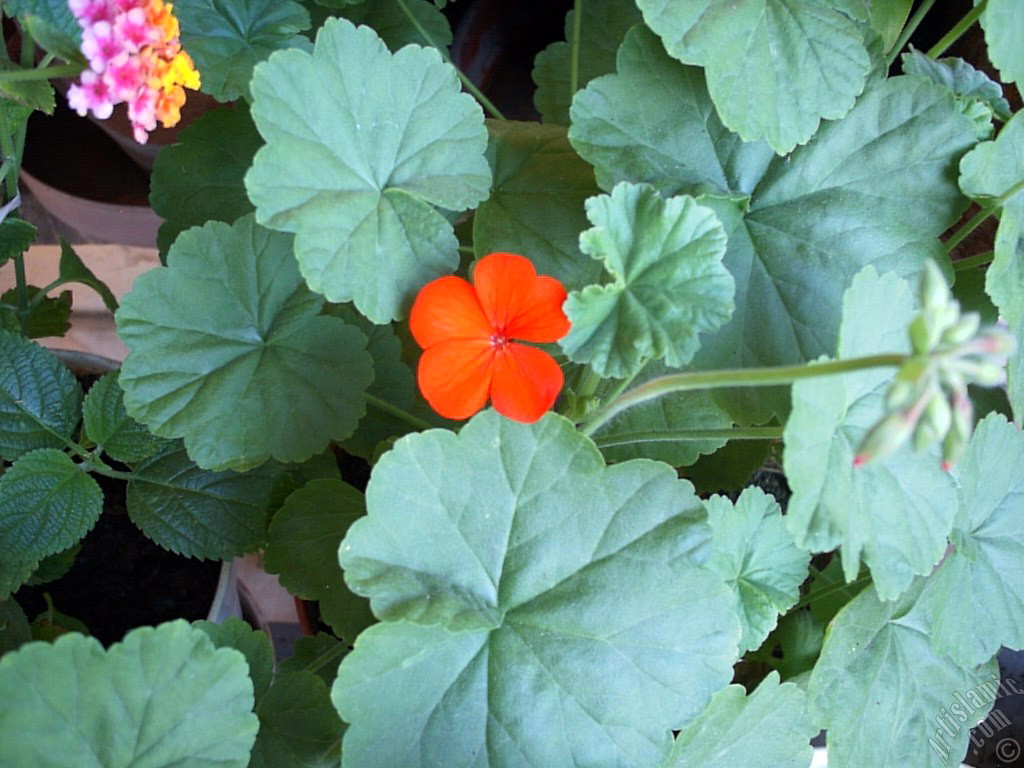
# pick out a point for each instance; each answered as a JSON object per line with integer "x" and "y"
{"x": 934, "y": 290}
{"x": 886, "y": 437}
{"x": 984, "y": 373}
{"x": 959, "y": 433}
{"x": 934, "y": 423}
{"x": 963, "y": 329}
{"x": 909, "y": 383}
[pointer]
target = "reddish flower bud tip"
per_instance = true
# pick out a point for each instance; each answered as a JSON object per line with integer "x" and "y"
{"x": 946, "y": 465}
{"x": 860, "y": 460}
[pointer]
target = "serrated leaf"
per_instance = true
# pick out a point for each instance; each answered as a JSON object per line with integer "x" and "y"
{"x": 524, "y": 583}
{"x": 976, "y": 597}
{"x": 319, "y": 654}
{"x": 226, "y": 40}
{"x": 227, "y": 349}
{"x": 253, "y": 644}
{"x": 899, "y": 143}
{"x": 775, "y": 68}
{"x": 201, "y": 178}
{"x": 302, "y": 547}
{"x": 53, "y": 567}
{"x": 878, "y": 662}
{"x": 47, "y": 503}
{"x": 895, "y": 512}
{"x": 665, "y": 257}
{"x": 14, "y": 628}
{"x": 108, "y": 425}
{"x": 604, "y": 24}
{"x": 164, "y": 696}
{"x": 389, "y": 19}
{"x": 51, "y": 24}
{"x": 13, "y": 573}
{"x": 961, "y": 78}
{"x": 16, "y": 235}
{"x": 73, "y": 270}
{"x": 356, "y": 178}
{"x": 536, "y": 206}
{"x": 196, "y": 512}
{"x": 40, "y": 401}
{"x": 756, "y": 556}
{"x": 1002, "y": 21}
{"x": 729, "y": 468}
{"x": 50, "y": 317}
{"x": 34, "y": 94}
{"x": 767, "y": 729}
{"x": 295, "y": 476}
{"x": 299, "y": 727}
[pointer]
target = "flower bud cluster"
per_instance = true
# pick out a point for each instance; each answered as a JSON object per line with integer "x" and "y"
{"x": 928, "y": 402}
{"x": 134, "y": 58}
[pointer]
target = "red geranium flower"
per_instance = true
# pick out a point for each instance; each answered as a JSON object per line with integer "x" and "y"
{"x": 467, "y": 331}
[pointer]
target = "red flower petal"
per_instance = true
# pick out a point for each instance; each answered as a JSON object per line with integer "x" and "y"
{"x": 517, "y": 302}
{"x": 525, "y": 382}
{"x": 455, "y": 376}
{"x": 445, "y": 309}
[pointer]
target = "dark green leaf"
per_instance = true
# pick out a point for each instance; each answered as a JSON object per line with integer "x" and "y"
{"x": 295, "y": 476}
{"x": 13, "y": 573}
{"x": 73, "y": 270}
{"x": 389, "y": 20}
{"x": 40, "y": 401}
{"x": 54, "y": 566}
{"x": 357, "y": 178}
{"x": 164, "y": 696}
{"x": 226, "y": 40}
{"x": 299, "y": 727}
{"x": 16, "y": 235}
{"x": 229, "y": 351}
{"x": 111, "y": 428}
{"x": 302, "y": 546}
{"x": 14, "y": 627}
{"x": 51, "y": 24}
{"x": 47, "y": 503}
{"x": 251, "y": 643}
{"x": 320, "y": 654}
{"x": 536, "y": 206}
{"x": 200, "y": 178}
{"x": 729, "y": 468}
{"x": 198, "y": 513}
{"x": 50, "y": 317}
{"x": 34, "y": 94}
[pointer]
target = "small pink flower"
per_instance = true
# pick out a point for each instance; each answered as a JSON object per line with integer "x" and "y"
{"x": 93, "y": 94}
{"x": 135, "y": 31}
{"x": 124, "y": 76}
{"x": 100, "y": 44}
{"x": 142, "y": 113}
{"x": 88, "y": 12}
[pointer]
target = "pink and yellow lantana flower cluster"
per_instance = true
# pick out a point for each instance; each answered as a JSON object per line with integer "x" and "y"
{"x": 135, "y": 58}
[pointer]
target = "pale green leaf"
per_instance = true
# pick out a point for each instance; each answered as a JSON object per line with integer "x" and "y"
{"x": 756, "y": 556}
{"x": 536, "y": 207}
{"x": 775, "y": 68}
{"x": 228, "y": 350}
{"x": 299, "y": 727}
{"x": 302, "y": 547}
{"x": 888, "y": 20}
{"x": 36, "y": 94}
{"x": 389, "y": 20}
{"x": 799, "y": 228}
{"x": 1002, "y": 21}
{"x": 251, "y": 643}
{"x": 47, "y": 503}
{"x": 226, "y": 40}
{"x": 196, "y": 512}
{"x": 968, "y": 83}
{"x": 665, "y": 257}
{"x": 40, "y": 401}
{"x": 535, "y": 602}
{"x": 111, "y": 428}
{"x": 879, "y": 664}
{"x": 604, "y": 24}
{"x": 977, "y": 595}
{"x": 356, "y": 177}
{"x": 896, "y": 512}
{"x": 164, "y": 696}
{"x": 767, "y": 729}
{"x": 200, "y": 178}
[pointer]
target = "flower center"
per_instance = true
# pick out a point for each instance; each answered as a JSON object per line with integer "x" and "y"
{"x": 499, "y": 340}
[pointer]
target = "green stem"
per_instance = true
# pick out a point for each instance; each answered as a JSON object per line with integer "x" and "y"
{"x": 466, "y": 82}
{"x": 831, "y": 589}
{"x": 467, "y": 249}
{"x": 40, "y": 73}
{"x": 1009, "y": 194}
{"x": 972, "y": 224}
{"x": 673, "y": 435}
{"x": 908, "y": 31}
{"x": 574, "y": 57}
{"x": 398, "y": 413}
{"x": 588, "y": 383}
{"x": 974, "y": 261}
{"x": 739, "y": 377}
{"x": 12, "y": 161}
{"x": 957, "y": 31}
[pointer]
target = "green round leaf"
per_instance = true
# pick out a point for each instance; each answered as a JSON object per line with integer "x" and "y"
{"x": 896, "y": 512}
{"x": 40, "y": 401}
{"x": 251, "y": 643}
{"x": 361, "y": 144}
{"x": 111, "y": 428}
{"x": 201, "y": 178}
{"x": 320, "y": 654}
{"x": 767, "y": 729}
{"x": 536, "y": 208}
{"x": 299, "y": 727}
{"x": 1002, "y": 22}
{"x": 47, "y": 503}
{"x": 878, "y": 663}
{"x": 524, "y": 584}
{"x": 774, "y": 68}
{"x": 162, "y": 697}
{"x": 226, "y": 40}
{"x": 228, "y": 351}
{"x": 198, "y": 513}
{"x": 302, "y": 547}
{"x": 758, "y": 559}
{"x": 604, "y": 24}
{"x": 665, "y": 257}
